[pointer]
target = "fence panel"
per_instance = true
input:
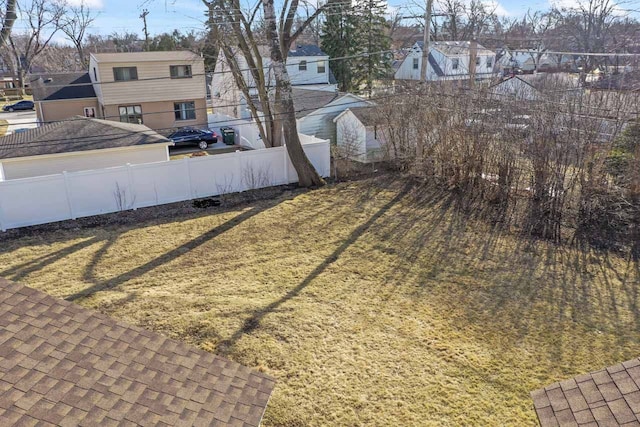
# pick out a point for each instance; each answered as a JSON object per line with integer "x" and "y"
{"x": 99, "y": 191}
{"x": 40, "y": 200}
{"x": 36, "y": 201}
{"x": 159, "y": 183}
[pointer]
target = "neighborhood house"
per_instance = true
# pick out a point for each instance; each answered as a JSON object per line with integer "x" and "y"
{"x": 161, "y": 90}
{"x": 448, "y": 60}
{"x": 78, "y": 144}
{"x": 307, "y": 65}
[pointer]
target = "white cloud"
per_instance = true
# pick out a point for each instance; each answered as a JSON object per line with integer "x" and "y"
{"x": 497, "y": 8}
{"x": 91, "y": 4}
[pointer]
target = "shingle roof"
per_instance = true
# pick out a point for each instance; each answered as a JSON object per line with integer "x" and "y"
{"x": 609, "y": 396}
{"x": 52, "y": 87}
{"x": 366, "y": 115}
{"x": 76, "y": 134}
{"x": 306, "y": 50}
{"x": 175, "y": 55}
{"x": 307, "y": 101}
{"x": 456, "y": 48}
{"x": 62, "y": 364}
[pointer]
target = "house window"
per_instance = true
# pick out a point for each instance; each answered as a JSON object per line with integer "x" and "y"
{"x": 180, "y": 71}
{"x": 454, "y": 63}
{"x": 416, "y": 63}
{"x": 477, "y": 61}
{"x": 131, "y": 114}
{"x": 89, "y": 112}
{"x": 302, "y": 66}
{"x": 95, "y": 74}
{"x": 489, "y": 62}
{"x": 122, "y": 74}
{"x": 185, "y": 110}
{"x": 321, "y": 67}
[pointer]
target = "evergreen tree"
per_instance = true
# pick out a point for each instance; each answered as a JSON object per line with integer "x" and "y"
{"x": 373, "y": 42}
{"x": 339, "y": 39}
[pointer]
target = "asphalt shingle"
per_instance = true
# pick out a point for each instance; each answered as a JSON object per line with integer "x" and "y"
{"x": 61, "y": 364}
{"x": 606, "y": 397}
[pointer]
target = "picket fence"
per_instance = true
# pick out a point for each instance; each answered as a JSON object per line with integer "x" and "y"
{"x": 45, "y": 199}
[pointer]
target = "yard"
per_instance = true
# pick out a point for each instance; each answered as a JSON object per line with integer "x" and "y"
{"x": 371, "y": 304}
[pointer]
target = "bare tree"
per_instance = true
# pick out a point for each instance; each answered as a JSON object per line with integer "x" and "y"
{"x": 279, "y": 40}
{"x": 239, "y": 40}
{"x": 586, "y": 26}
{"x": 74, "y": 24}
{"x": 43, "y": 20}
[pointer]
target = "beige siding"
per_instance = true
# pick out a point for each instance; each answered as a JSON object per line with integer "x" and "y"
{"x": 95, "y": 77}
{"x": 160, "y": 87}
{"x": 159, "y": 116}
{"x": 73, "y": 162}
{"x": 49, "y": 111}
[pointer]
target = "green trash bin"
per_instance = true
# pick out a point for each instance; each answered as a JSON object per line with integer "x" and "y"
{"x": 228, "y": 135}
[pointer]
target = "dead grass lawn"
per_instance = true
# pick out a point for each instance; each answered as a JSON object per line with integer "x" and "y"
{"x": 371, "y": 305}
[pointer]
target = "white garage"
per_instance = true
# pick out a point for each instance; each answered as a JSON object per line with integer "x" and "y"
{"x": 79, "y": 144}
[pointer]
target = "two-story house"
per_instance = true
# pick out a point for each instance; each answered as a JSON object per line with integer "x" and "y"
{"x": 447, "y": 60}
{"x": 307, "y": 66}
{"x": 161, "y": 90}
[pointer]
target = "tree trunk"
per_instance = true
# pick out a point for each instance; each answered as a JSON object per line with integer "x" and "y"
{"x": 307, "y": 175}
{"x": 9, "y": 19}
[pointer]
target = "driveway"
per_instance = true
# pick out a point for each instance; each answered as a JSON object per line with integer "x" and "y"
{"x": 217, "y": 148}
{"x": 19, "y": 119}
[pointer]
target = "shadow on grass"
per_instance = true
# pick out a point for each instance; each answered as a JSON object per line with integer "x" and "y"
{"x": 165, "y": 258}
{"x": 253, "y": 322}
{"x": 20, "y": 271}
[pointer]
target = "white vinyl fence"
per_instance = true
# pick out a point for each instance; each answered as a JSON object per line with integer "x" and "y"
{"x": 246, "y": 131}
{"x": 45, "y": 199}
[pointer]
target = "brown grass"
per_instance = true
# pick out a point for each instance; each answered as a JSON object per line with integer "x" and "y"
{"x": 370, "y": 304}
{"x": 4, "y": 126}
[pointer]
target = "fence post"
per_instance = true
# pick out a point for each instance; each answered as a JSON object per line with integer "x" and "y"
{"x": 2, "y": 226}
{"x": 185, "y": 161}
{"x": 131, "y": 187}
{"x": 67, "y": 190}
{"x": 238, "y": 162}
{"x": 286, "y": 164}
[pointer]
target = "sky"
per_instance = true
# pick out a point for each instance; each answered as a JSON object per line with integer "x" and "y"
{"x": 186, "y": 15}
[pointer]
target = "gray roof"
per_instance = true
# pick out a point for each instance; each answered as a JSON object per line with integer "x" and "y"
{"x": 307, "y": 101}
{"x": 58, "y": 86}
{"x": 76, "y": 134}
{"x": 62, "y": 364}
{"x": 366, "y": 115}
{"x": 456, "y": 48}
{"x": 608, "y": 397}
{"x": 306, "y": 50}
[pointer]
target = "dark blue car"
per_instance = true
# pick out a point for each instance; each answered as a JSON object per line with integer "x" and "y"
{"x": 191, "y": 136}
{"x": 21, "y": 105}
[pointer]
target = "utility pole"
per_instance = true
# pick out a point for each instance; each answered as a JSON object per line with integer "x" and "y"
{"x": 425, "y": 41}
{"x": 143, "y": 16}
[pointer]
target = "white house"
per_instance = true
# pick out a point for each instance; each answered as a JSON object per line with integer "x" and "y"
{"x": 448, "y": 60}
{"x": 307, "y": 65}
{"x": 359, "y": 135}
{"x": 79, "y": 144}
{"x": 530, "y": 60}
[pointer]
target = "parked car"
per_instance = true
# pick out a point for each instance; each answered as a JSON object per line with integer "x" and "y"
{"x": 192, "y": 136}
{"x": 20, "y": 105}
